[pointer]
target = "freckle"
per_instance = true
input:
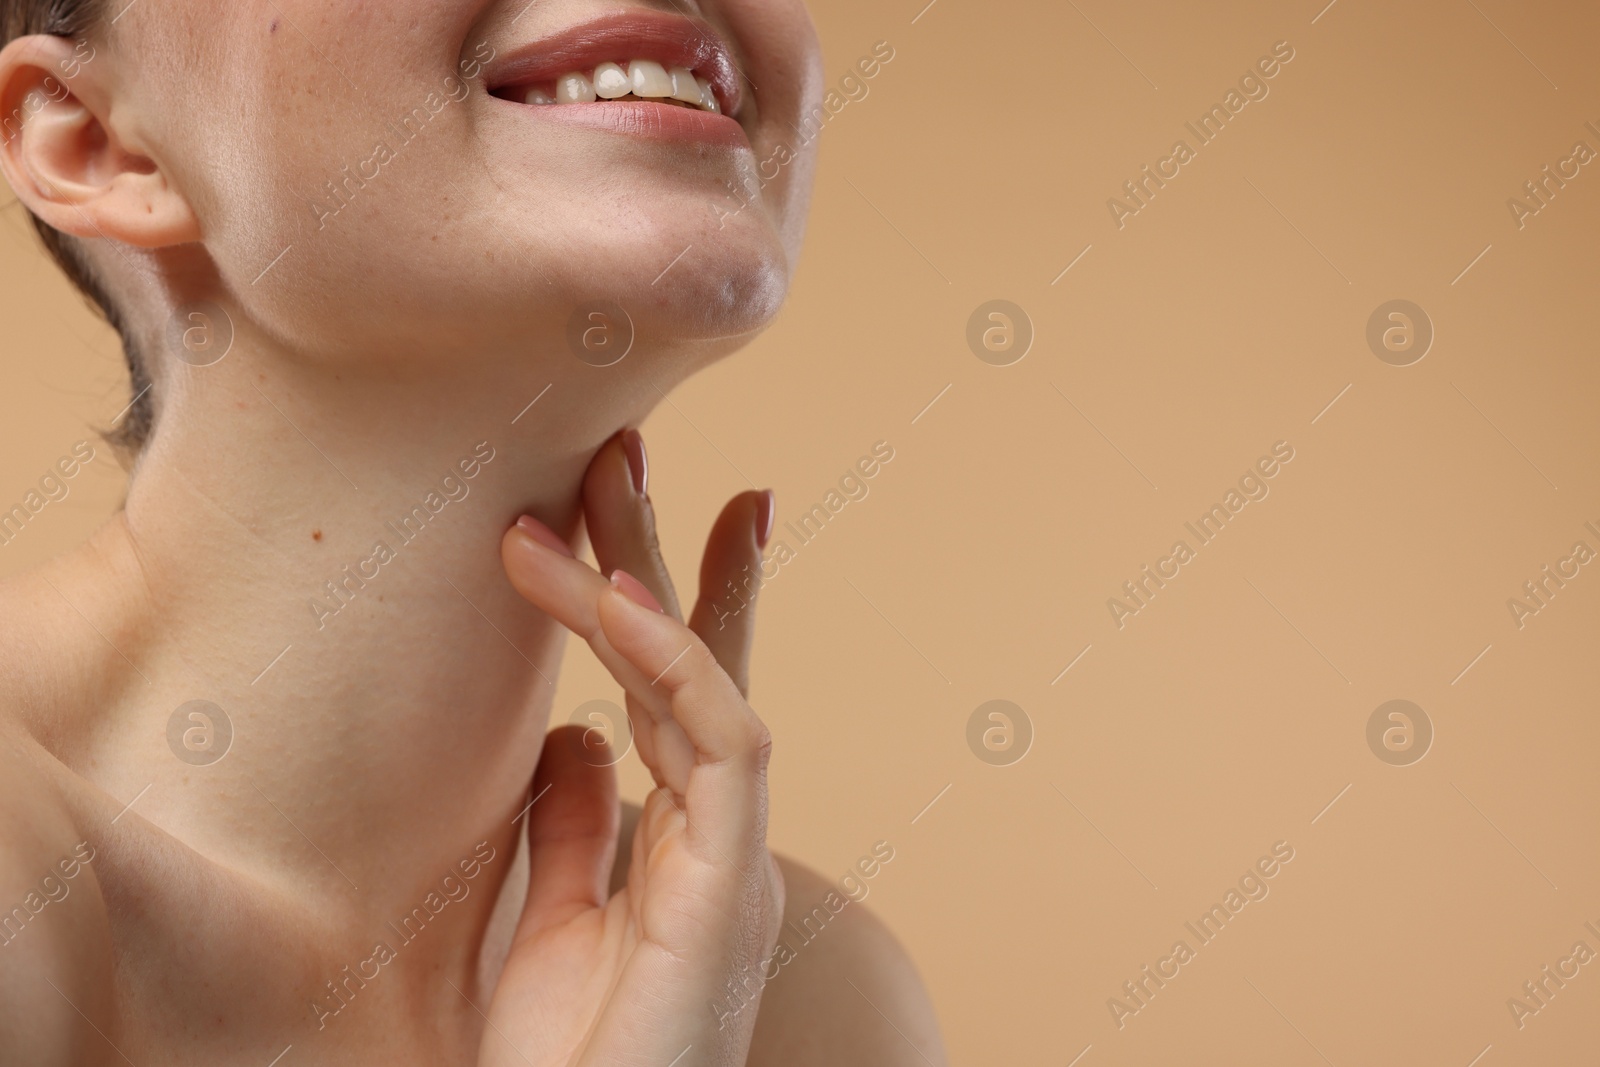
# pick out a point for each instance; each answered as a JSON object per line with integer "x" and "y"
{"x": 316, "y": 535}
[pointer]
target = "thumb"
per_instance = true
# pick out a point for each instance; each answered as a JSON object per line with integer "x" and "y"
{"x": 572, "y": 830}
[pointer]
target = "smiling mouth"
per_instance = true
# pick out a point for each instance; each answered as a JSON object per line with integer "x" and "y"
{"x": 644, "y": 74}
{"x": 639, "y": 80}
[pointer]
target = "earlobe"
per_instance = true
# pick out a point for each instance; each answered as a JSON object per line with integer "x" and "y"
{"x": 67, "y": 163}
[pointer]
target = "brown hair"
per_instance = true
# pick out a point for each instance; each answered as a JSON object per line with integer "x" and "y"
{"x": 76, "y": 19}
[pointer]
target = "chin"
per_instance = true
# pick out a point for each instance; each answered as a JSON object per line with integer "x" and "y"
{"x": 694, "y": 279}
{"x": 717, "y": 305}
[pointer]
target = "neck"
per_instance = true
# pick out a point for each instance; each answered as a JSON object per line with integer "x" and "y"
{"x": 317, "y": 554}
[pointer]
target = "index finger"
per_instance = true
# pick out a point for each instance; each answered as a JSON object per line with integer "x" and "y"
{"x": 544, "y": 571}
{"x": 725, "y": 792}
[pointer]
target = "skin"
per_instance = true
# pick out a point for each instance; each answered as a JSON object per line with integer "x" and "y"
{"x": 385, "y": 752}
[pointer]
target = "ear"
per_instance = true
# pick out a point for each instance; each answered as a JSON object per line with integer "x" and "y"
{"x": 61, "y": 152}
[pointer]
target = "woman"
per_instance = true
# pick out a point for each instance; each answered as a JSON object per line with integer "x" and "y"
{"x": 391, "y": 279}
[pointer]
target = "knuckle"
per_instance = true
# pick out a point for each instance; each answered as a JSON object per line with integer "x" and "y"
{"x": 760, "y": 744}
{"x": 702, "y": 651}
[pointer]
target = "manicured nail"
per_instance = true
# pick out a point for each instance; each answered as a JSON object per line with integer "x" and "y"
{"x": 638, "y": 461}
{"x": 634, "y": 590}
{"x": 544, "y": 535}
{"x": 766, "y": 515}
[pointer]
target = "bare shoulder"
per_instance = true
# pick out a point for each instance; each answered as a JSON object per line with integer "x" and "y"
{"x": 54, "y": 956}
{"x": 839, "y": 990}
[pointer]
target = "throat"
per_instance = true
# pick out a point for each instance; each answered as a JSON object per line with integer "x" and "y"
{"x": 333, "y": 696}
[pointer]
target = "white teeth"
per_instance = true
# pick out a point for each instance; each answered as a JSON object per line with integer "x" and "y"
{"x": 708, "y": 98}
{"x": 643, "y": 79}
{"x": 649, "y": 78}
{"x": 574, "y": 89}
{"x": 684, "y": 87}
{"x": 611, "y": 82}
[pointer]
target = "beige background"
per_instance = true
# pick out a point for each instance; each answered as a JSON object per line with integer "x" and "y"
{"x": 1226, "y": 716}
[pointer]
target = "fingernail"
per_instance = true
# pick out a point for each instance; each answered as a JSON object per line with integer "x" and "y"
{"x": 638, "y": 461}
{"x": 634, "y": 590}
{"x": 766, "y": 515}
{"x": 544, "y": 535}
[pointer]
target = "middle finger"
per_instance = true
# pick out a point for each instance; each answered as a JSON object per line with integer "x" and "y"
{"x": 621, "y": 519}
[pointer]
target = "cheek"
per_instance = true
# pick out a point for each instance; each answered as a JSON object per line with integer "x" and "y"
{"x": 314, "y": 88}
{"x": 475, "y": 213}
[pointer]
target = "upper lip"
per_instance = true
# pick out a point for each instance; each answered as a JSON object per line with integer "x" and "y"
{"x": 671, "y": 40}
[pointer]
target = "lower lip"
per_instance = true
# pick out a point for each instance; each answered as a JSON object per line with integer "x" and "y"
{"x": 656, "y": 122}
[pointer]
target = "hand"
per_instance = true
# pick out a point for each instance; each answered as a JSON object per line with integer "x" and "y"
{"x": 632, "y": 980}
